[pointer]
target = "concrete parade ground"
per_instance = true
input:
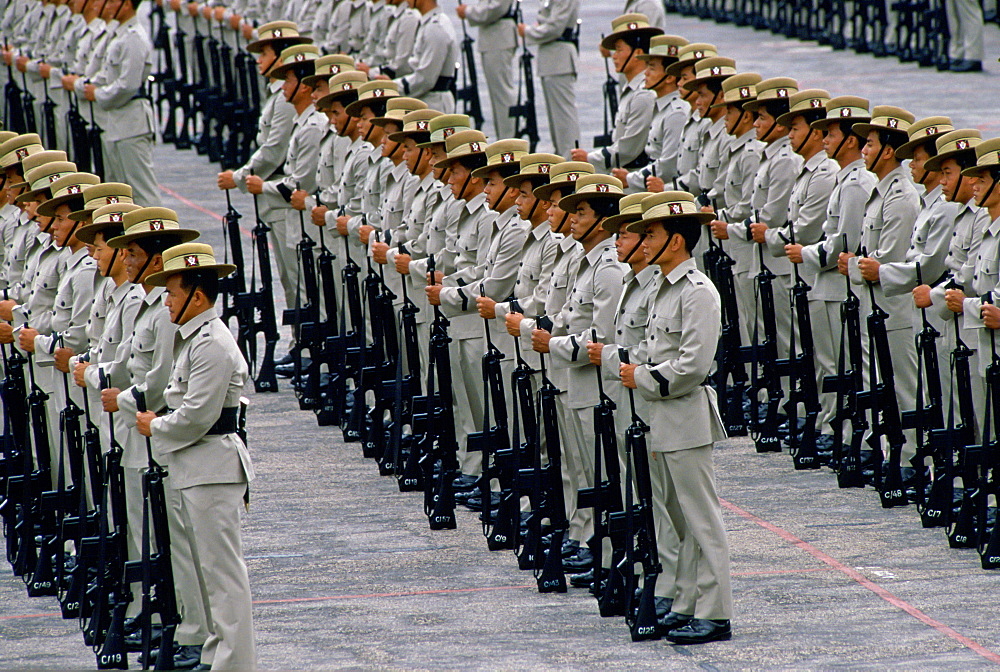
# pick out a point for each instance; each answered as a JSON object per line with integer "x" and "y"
{"x": 346, "y": 574}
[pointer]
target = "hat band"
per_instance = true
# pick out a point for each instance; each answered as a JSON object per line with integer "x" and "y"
{"x": 187, "y": 261}
{"x": 959, "y": 145}
{"x": 670, "y": 208}
{"x": 891, "y": 123}
{"x": 101, "y": 201}
{"x": 46, "y": 181}
{"x": 600, "y": 188}
{"x": 811, "y": 105}
{"x": 152, "y": 225}
{"x": 117, "y": 217}
{"x": 847, "y": 113}
{"x": 716, "y": 71}
{"x": 537, "y": 169}
{"x": 505, "y": 158}
{"x": 71, "y": 190}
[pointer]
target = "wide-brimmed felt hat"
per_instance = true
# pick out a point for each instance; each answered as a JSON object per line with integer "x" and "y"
{"x": 148, "y": 222}
{"x": 886, "y": 118}
{"x": 629, "y": 25}
{"x": 343, "y": 87}
{"x": 37, "y": 159}
{"x": 99, "y": 195}
{"x": 808, "y": 102}
{"x": 739, "y": 89}
{"x": 329, "y": 66}
{"x": 443, "y": 127}
{"x": 843, "y": 108}
{"x": 923, "y": 131}
{"x": 105, "y": 218}
{"x": 779, "y": 89}
{"x": 536, "y": 166}
{"x": 665, "y": 47}
{"x": 293, "y": 57}
{"x": 669, "y": 206}
{"x": 373, "y": 95}
{"x": 39, "y": 180}
{"x": 416, "y": 125}
{"x": 629, "y": 210}
{"x": 186, "y": 258}
{"x": 715, "y": 69}
{"x": 502, "y": 156}
{"x": 690, "y": 54}
{"x": 18, "y": 148}
{"x": 398, "y": 107}
{"x": 954, "y": 144}
{"x": 286, "y": 32}
{"x": 7, "y": 135}
{"x": 592, "y": 187}
{"x": 66, "y": 189}
{"x": 562, "y": 178}
{"x": 463, "y": 144}
{"x": 987, "y": 158}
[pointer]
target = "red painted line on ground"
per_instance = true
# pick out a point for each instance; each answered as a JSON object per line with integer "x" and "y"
{"x": 769, "y": 572}
{"x": 444, "y": 591}
{"x": 895, "y": 601}
{"x": 191, "y": 204}
{"x": 11, "y": 618}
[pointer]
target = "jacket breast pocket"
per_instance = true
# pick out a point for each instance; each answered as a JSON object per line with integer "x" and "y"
{"x": 665, "y": 338}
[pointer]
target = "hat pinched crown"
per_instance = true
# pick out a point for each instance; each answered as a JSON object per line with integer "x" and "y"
{"x": 666, "y": 47}
{"x": 886, "y": 118}
{"x": 268, "y": 33}
{"x": 416, "y": 124}
{"x": 373, "y": 94}
{"x": 922, "y": 132}
{"x": 690, "y": 54}
{"x": 739, "y": 89}
{"x": 987, "y": 158}
{"x": 444, "y": 126}
{"x": 502, "y": 154}
{"x": 709, "y": 69}
{"x": 844, "y": 108}
{"x": 809, "y": 102}
{"x": 629, "y": 210}
{"x": 563, "y": 177}
{"x": 952, "y": 145}
{"x": 188, "y": 257}
{"x": 329, "y": 66}
{"x": 534, "y": 166}
{"x": 18, "y": 148}
{"x": 627, "y": 25}
{"x": 779, "y": 89}
{"x": 596, "y": 186}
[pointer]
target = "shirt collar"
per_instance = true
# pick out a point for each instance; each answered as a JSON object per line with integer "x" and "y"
{"x": 475, "y": 202}
{"x": 663, "y": 102}
{"x": 932, "y": 196}
{"x": 119, "y": 292}
{"x": 860, "y": 163}
{"x": 887, "y": 181}
{"x": 567, "y": 243}
{"x": 637, "y": 83}
{"x": 541, "y": 230}
{"x": 595, "y": 254}
{"x": 776, "y": 146}
{"x": 154, "y": 295}
{"x": 187, "y": 329}
{"x": 717, "y": 127}
{"x": 680, "y": 270}
{"x": 646, "y": 275}
{"x": 815, "y": 161}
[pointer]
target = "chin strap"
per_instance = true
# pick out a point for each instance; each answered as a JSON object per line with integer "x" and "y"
{"x": 995, "y": 174}
{"x": 634, "y": 249}
{"x": 114, "y": 256}
{"x": 593, "y": 226}
{"x": 663, "y": 249}
{"x": 739, "y": 120}
{"x": 803, "y": 143}
{"x": 878, "y": 157}
{"x": 493, "y": 206}
{"x": 187, "y": 302}
{"x": 142, "y": 269}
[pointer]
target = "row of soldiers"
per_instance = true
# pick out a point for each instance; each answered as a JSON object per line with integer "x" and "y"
{"x": 117, "y": 374}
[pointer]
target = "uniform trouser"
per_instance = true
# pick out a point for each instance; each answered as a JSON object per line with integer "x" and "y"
{"x": 498, "y": 69}
{"x": 211, "y": 521}
{"x": 284, "y": 238}
{"x": 130, "y": 160}
{"x": 668, "y": 545}
{"x": 965, "y": 21}
{"x": 826, "y": 328}
{"x": 193, "y": 630}
{"x": 703, "y": 576}
{"x": 467, "y": 389}
{"x": 743, "y": 282}
{"x": 578, "y": 462}
{"x": 560, "y": 107}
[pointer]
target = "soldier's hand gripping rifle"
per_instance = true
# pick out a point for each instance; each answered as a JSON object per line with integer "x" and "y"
{"x": 552, "y": 578}
{"x": 331, "y": 395}
{"x": 235, "y": 285}
{"x": 525, "y": 114}
{"x": 925, "y": 418}
{"x": 605, "y": 499}
{"x": 848, "y": 385}
{"x": 885, "y": 416}
{"x": 469, "y": 92}
{"x": 641, "y": 530}
{"x": 989, "y": 477}
{"x": 441, "y": 515}
{"x": 154, "y": 570}
{"x": 802, "y": 376}
{"x": 610, "y": 89}
{"x": 492, "y": 441}
{"x": 765, "y": 372}
{"x": 259, "y": 307}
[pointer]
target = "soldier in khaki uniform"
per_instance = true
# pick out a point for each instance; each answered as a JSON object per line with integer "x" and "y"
{"x": 497, "y": 43}
{"x": 197, "y": 441}
{"x": 680, "y": 345}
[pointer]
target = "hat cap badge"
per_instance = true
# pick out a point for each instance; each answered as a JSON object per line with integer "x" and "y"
{"x": 507, "y": 157}
{"x": 191, "y": 260}
{"x": 422, "y": 125}
{"x": 544, "y": 168}
{"x": 116, "y": 217}
{"x": 603, "y": 188}
{"x": 893, "y": 123}
{"x": 781, "y": 93}
{"x": 845, "y": 112}
{"x": 276, "y": 32}
{"x": 716, "y": 70}
{"x": 633, "y": 25}
{"x": 744, "y": 92}
{"x": 931, "y": 130}
{"x": 74, "y": 189}
{"x": 961, "y": 144}
{"x": 572, "y": 177}
{"x": 54, "y": 176}
{"x": 299, "y": 57}
{"x": 675, "y": 209}
{"x": 473, "y": 146}
{"x": 21, "y": 152}
{"x": 378, "y": 93}
{"x": 448, "y": 132}
{"x": 671, "y": 50}
{"x": 816, "y": 102}
{"x": 347, "y": 86}
{"x": 110, "y": 199}
{"x": 156, "y": 225}
{"x": 699, "y": 54}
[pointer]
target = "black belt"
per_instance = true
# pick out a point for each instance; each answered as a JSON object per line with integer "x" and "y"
{"x": 226, "y": 424}
{"x": 511, "y": 13}
{"x": 638, "y": 162}
{"x": 570, "y": 35}
{"x": 444, "y": 84}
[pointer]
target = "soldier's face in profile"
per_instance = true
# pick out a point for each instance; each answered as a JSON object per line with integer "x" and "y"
{"x": 956, "y": 188}
{"x": 705, "y": 99}
{"x": 582, "y": 224}
{"x": 62, "y": 226}
{"x": 557, "y": 216}
{"x": 265, "y": 59}
{"x": 768, "y": 129}
{"x": 415, "y": 158}
{"x": 799, "y": 132}
{"x": 135, "y": 259}
{"x": 320, "y": 88}
{"x": 620, "y": 56}
{"x": 629, "y": 247}
{"x": 460, "y": 181}
{"x": 687, "y": 74}
{"x": 917, "y": 161}
{"x": 981, "y": 186}
{"x": 526, "y": 201}
{"x": 735, "y": 116}
{"x": 655, "y": 73}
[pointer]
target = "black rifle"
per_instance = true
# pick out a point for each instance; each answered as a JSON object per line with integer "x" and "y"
{"x": 14, "y": 113}
{"x": 884, "y": 409}
{"x": 18, "y": 464}
{"x": 444, "y": 461}
{"x": 605, "y": 499}
{"x": 384, "y": 325}
{"x": 28, "y": 105}
{"x": 526, "y": 451}
{"x": 94, "y": 133}
{"x": 154, "y": 569}
{"x": 961, "y": 526}
{"x": 79, "y": 138}
{"x": 377, "y": 369}
{"x": 258, "y": 305}
{"x": 525, "y": 114}
{"x": 935, "y": 22}
{"x": 232, "y": 286}
{"x": 28, "y": 524}
{"x": 165, "y": 77}
{"x": 332, "y": 392}
{"x": 408, "y": 474}
{"x": 552, "y": 578}
{"x": 215, "y": 100}
{"x": 989, "y": 536}
{"x": 765, "y": 371}
{"x": 304, "y": 316}
{"x": 848, "y": 384}
{"x": 730, "y": 363}
{"x": 184, "y": 91}
{"x": 926, "y": 417}
{"x": 802, "y": 376}
{"x": 48, "y": 117}
{"x": 494, "y": 441}
{"x": 469, "y": 92}
{"x": 204, "y": 96}
{"x": 641, "y": 529}
{"x": 610, "y": 109}
{"x": 355, "y": 351}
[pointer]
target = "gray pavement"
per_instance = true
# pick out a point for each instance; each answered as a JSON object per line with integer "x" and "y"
{"x": 346, "y": 574}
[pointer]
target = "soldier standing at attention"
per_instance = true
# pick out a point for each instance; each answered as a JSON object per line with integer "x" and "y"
{"x": 432, "y": 65}
{"x": 555, "y": 34}
{"x": 196, "y": 440}
{"x": 497, "y": 42}
{"x": 680, "y": 344}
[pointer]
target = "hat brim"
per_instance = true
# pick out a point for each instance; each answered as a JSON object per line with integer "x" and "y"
{"x": 400, "y": 136}
{"x": 738, "y": 103}
{"x": 934, "y": 163}
{"x": 695, "y": 83}
{"x": 569, "y": 203}
{"x": 615, "y": 222}
{"x": 822, "y": 124}
{"x": 979, "y": 170}
{"x": 646, "y": 58}
{"x": 639, "y": 226}
{"x": 31, "y": 195}
{"x": 609, "y": 41}
{"x": 864, "y": 128}
{"x": 80, "y": 215}
{"x": 354, "y": 108}
{"x": 905, "y": 150}
{"x": 334, "y": 96}
{"x": 310, "y": 80}
{"x": 787, "y": 118}
{"x": 677, "y": 66}
{"x": 483, "y": 173}
{"x": 48, "y": 208}
{"x": 544, "y": 192}
{"x": 257, "y": 46}
{"x": 184, "y": 236}
{"x": 281, "y": 71}
{"x": 88, "y": 232}
{"x": 514, "y": 181}
{"x": 446, "y": 163}
{"x": 757, "y": 103}
{"x": 160, "y": 278}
